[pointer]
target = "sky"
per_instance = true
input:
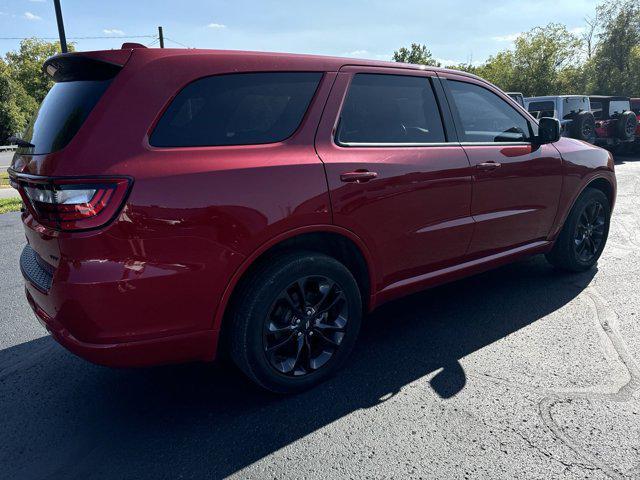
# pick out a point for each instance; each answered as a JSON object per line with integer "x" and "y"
{"x": 455, "y": 30}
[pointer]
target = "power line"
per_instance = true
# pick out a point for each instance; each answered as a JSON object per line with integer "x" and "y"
{"x": 123, "y": 37}
{"x": 176, "y": 42}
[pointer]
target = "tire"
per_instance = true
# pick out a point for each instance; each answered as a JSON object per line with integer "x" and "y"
{"x": 626, "y": 126}
{"x": 569, "y": 252}
{"x": 583, "y": 127}
{"x": 272, "y": 337}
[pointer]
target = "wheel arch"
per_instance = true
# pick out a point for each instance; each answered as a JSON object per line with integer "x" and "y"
{"x": 334, "y": 241}
{"x": 602, "y": 182}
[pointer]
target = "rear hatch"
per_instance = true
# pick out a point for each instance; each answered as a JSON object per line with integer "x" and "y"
{"x": 63, "y": 203}
{"x": 80, "y": 82}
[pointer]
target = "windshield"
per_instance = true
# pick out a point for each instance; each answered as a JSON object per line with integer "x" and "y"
{"x": 62, "y": 113}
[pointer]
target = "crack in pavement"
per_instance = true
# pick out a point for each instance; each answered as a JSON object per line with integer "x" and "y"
{"x": 608, "y": 320}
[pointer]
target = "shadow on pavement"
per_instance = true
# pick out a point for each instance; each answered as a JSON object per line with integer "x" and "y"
{"x": 62, "y": 417}
{"x": 620, "y": 158}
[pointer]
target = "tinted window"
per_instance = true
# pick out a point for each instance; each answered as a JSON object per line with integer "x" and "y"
{"x": 390, "y": 109}
{"x": 542, "y": 109}
{"x": 239, "y": 109}
{"x": 62, "y": 113}
{"x": 616, "y": 107}
{"x": 574, "y": 105}
{"x": 596, "y": 109}
{"x": 486, "y": 117}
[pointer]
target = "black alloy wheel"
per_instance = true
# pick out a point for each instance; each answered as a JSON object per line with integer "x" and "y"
{"x": 305, "y": 325}
{"x": 294, "y": 321}
{"x": 584, "y": 233}
{"x": 590, "y": 230}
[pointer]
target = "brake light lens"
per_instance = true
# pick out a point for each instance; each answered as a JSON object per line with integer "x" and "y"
{"x": 73, "y": 204}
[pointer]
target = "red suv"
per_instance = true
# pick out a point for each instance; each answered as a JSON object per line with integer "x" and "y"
{"x": 181, "y": 204}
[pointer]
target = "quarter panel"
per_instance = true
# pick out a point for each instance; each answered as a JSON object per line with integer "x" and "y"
{"x": 582, "y": 163}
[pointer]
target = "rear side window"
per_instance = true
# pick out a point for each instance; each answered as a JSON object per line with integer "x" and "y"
{"x": 62, "y": 113}
{"x": 390, "y": 109}
{"x": 485, "y": 117}
{"x": 542, "y": 109}
{"x": 237, "y": 109}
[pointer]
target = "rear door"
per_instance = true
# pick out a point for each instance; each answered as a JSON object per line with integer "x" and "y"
{"x": 516, "y": 182}
{"x": 397, "y": 177}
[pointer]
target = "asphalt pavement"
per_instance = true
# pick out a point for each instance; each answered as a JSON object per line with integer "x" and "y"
{"x": 5, "y": 159}
{"x": 523, "y": 372}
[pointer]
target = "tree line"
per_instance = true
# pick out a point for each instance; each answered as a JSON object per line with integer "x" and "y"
{"x": 603, "y": 58}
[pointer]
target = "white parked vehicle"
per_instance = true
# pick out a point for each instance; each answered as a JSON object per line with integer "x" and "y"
{"x": 573, "y": 111}
{"x": 518, "y": 97}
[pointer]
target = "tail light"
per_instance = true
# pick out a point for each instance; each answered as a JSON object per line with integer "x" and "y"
{"x": 72, "y": 204}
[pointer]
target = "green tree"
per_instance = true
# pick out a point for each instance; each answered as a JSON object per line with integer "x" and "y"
{"x": 417, "y": 54}
{"x": 25, "y": 66}
{"x": 614, "y": 64}
{"x": 16, "y": 106}
{"x": 23, "y": 85}
{"x": 544, "y": 61}
{"x": 500, "y": 70}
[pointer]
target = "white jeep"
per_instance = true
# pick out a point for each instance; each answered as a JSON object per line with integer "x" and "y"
{"x": 573, "y": 111}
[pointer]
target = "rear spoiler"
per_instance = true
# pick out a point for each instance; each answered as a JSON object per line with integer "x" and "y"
{"x": 101, "y": 65}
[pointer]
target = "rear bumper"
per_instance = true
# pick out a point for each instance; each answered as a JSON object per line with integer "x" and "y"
{"x": 135, "y": 322}
{"x": 157, "y": 351}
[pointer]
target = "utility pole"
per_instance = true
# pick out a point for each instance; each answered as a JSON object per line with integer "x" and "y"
{"x": 161, "y": 37}
{"x": 63, "y": 38}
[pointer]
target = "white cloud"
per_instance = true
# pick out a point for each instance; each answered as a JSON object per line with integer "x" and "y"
{"x": 577, "y": 30}
{"x": 112, "y": 31}
{"x": 31, "y": 16}
{"x": 447, "y": 61}
{"x": 216, "y": 26}
{"x": 511, "y": 37}
{"x": 356, "y": 53}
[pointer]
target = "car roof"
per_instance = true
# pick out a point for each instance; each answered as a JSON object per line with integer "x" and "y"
{"x": 608, "y": 97}
{"x": 553, "y": 97}
{"x": 312, "y": 62}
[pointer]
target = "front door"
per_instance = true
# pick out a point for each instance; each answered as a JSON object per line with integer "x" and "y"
{"x": 517, "y": 183}
{"x": 393, "y": 177}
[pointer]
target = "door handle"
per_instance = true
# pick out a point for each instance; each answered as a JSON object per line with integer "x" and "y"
{"x": 488, "y": 165}
{"x": 359, "y": 176}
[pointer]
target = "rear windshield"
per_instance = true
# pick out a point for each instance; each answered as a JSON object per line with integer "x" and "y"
{"x": 575, "y": 105}
{"x": 542, "y": 109}
{"x": 237, "y": 109}
{"x": 62, "y": 113}
{"x": 596, "y": 109}
{"x": 616, "y": 107}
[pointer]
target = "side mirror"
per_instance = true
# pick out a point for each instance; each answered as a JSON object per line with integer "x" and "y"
{"x": 548, "y": 130}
